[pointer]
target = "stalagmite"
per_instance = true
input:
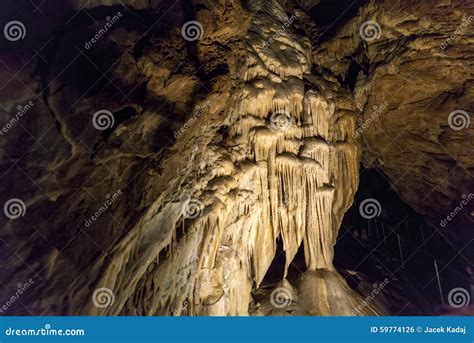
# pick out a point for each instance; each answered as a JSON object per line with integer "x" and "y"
{"x": 299, "y": 177}
{"x": 288, "y": 169}
{"x": 304, "y": 170}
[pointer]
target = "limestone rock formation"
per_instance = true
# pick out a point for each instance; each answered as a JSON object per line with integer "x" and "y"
{"x": 412, "y": 81}
{"x": 164, "y": 148}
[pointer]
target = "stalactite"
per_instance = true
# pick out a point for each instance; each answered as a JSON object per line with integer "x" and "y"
{"x": 319, "y": 237}
{"x": 291, "y": 181}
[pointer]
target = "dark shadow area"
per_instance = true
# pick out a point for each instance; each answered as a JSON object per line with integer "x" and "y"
{"x": 329, "y": 15}
{"x": 399, "y": 244}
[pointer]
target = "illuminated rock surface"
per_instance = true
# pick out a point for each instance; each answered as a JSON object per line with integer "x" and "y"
{"x": 221, "y": 147}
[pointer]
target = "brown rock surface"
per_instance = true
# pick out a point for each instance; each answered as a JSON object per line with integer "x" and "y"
{"x": 215, "y": 148}
{"x": 409, "y": 80}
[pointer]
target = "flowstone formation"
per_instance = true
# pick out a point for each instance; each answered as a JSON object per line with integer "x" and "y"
{"x": 263, "y": 153}
{"x": 227, "y": 151}
{"x": 288, "y": 168}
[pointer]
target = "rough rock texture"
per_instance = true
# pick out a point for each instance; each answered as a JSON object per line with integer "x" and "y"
{"x": 219, "y": 147}
{"x": 406, "y": 83}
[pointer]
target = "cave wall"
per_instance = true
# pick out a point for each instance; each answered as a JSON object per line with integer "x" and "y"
{"x": 158, "y": 166}
{"x": 412, "y": 77}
